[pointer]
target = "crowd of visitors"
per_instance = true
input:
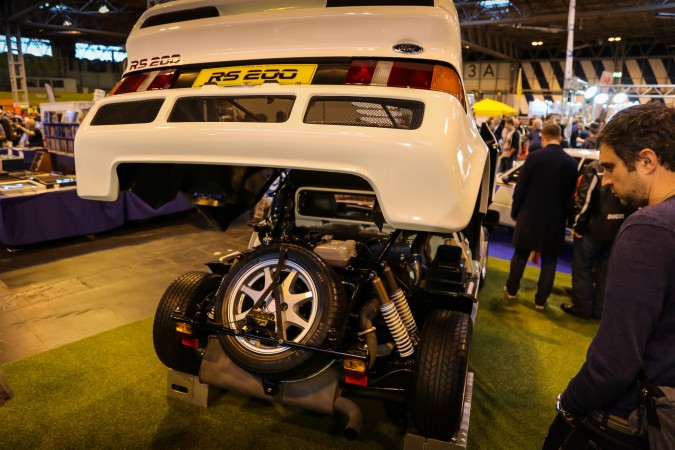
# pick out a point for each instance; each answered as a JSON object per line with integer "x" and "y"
{"x": 630, "y": 363}
{"x": 18, "y": 131}
{"x": 624, "y": 259}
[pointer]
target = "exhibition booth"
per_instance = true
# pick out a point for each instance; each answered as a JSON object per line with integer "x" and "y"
{"x": 39, "y": 201}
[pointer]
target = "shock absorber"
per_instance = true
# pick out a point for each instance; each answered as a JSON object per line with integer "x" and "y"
{"x": 393, "y": 320}
{"x": 397, "y": 296}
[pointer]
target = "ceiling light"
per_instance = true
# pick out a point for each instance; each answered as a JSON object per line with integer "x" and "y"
{"x": 536, "y": 43}
{"x": 67, "y": 23}
{"x": 590, "y": 92}
{"x": 614, "y": 39}
{"x": 621, "y": 97}
{"x": 601, "y": 98}
{"x": 103, "y": 9}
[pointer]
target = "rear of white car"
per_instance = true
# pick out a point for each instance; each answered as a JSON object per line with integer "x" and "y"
{"x": 377, "y": 227}
{"x": 371, "y": 89}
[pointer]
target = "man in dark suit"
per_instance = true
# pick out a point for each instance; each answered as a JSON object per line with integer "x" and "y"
{"x": 541, "y": 201}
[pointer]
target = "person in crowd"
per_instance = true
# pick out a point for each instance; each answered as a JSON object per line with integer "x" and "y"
{"x": 635, "y": 339}
{"x": 551, "y": 119}
{"x": 510, "y": 146}
{"x": 541, "y": 200}
{"x": 590, "y": 141}
{"x": 38, "y": 123}
{"x": 534, "y": 136}
{"x": 598, "y": 215}
{"x": 34, "y": 135}
{"x": 574, "y": 135}
{"x": 497, "y": 126}
{"x": 7, "y": 128}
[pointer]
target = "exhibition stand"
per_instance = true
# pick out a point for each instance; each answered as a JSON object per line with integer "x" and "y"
{"x": 60, "y": 213}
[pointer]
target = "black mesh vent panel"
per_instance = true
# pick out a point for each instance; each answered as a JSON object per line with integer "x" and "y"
{"x": 365, "y": 112}
{"x": 181, "y": 16}
{"x": 142, "y": 111}
{"x": 269, "y": 109}
{"x": 336, "y": 3}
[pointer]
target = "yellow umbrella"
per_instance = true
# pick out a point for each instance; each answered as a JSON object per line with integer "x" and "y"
{"x": 489, "y": 107}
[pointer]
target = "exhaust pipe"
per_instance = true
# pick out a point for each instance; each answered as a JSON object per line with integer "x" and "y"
{"x": 321, "y": 393}
{"x": 354, "y": 416}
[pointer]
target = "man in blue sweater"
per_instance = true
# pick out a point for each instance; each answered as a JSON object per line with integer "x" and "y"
{"x": 636, "y": 337}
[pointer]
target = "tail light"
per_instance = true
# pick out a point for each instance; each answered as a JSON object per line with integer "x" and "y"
{"x": 406, "y": 74}
{"x": 184, "y": 332}
{"x": 148, "y": 81}
{"x": 355, "y": 372}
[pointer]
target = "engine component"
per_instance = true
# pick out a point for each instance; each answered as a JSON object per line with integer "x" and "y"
{"x": 336, "y": 253}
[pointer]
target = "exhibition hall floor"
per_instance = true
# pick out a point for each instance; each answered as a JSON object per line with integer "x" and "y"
{"x": 76, "y": 346}
{"x": 56, "y": 293}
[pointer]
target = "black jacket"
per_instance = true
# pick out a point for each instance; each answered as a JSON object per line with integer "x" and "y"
{"x": 598, "y": 213}
{"x": 542, "y": 198}
{"x": 7, "y": 128}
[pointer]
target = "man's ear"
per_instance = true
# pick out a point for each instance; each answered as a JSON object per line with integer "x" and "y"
{"x": 648, "y": 160}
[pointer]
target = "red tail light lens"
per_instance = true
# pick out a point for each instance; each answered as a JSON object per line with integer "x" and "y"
{"x": 163, "y": 79}
{"x": 361, "y": 72}
{"x": 406, "y": 75}
{"x": 157, "y": 79}
{"x": 412, "y": 75}
{"x": 129, "y": 84}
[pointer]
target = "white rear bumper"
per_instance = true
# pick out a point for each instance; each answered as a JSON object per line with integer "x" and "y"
{"x": 425, "y": 179}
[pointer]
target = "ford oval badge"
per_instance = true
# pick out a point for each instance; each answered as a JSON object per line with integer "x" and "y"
{"x": 410, "y": 49}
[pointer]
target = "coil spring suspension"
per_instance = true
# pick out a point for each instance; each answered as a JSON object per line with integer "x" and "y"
{"x": 391, "y": 316}
{"x": 399, "y": 299}
{"x": 401, "y": 303}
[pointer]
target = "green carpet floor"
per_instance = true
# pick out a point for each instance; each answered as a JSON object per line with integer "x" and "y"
{"x": 109, "y": 391}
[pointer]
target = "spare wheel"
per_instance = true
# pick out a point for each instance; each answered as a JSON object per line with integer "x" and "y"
{"x": 312, "y": 309}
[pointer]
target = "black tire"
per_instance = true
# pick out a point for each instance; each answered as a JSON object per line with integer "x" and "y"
{"x": 183, "y": 294}
{"x": 310, "y": 321}
{"x": 441, "y": 369}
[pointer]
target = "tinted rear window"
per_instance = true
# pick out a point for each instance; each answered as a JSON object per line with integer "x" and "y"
{"x": 122, "y": 113}
{"x": 336, "y": 3}
{"x": 259, "y": 108}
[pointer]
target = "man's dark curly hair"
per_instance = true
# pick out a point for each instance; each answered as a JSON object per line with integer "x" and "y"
{"x": 651, "y": 125}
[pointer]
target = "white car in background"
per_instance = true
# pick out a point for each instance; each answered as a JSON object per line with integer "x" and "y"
{"x": 505, "y": 183}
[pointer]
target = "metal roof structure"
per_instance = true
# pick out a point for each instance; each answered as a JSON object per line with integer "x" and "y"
{"x": 491, "y": 29}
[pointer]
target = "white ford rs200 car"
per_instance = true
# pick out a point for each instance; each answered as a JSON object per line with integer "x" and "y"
{"x": 365, "y": 268}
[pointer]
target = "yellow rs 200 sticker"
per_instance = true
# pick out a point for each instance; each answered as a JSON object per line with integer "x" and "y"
{"x": 252, "y": 75}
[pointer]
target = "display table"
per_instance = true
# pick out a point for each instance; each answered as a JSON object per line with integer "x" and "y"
{"x": 137, "y": 209}
{"x": 60, "y": 213}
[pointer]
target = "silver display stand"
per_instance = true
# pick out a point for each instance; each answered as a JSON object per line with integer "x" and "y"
{"x": 412, "y": 441}
{"x": 187, "y": 388}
